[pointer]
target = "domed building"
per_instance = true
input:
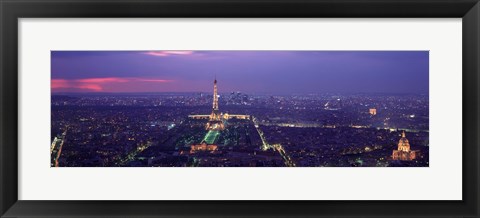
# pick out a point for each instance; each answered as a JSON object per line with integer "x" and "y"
{"x": 403, "y": 152}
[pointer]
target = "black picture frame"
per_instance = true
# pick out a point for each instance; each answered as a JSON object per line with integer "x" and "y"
{"x": 12, "y": 10}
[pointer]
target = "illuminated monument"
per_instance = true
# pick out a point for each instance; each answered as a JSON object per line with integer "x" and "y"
{"x": 216, "y": 123}
{"x": 216, "y": 119}
{"x": 403, "y": 152}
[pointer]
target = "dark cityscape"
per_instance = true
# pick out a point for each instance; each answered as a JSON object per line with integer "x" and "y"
{"x": 314, "y": 130}
{"x": 96, "y": 127}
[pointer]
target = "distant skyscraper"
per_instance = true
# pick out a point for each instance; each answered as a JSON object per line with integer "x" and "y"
{"x": 403, "y": 152}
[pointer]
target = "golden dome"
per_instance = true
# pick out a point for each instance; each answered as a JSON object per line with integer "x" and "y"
{"x": 403, "y": 143}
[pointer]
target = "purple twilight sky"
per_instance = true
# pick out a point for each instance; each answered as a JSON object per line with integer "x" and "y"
{"x": 276, "y": 72}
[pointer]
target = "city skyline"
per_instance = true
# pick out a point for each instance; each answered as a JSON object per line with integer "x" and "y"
{"x": 245, "y": 71}
{"x": 96, "y": 125}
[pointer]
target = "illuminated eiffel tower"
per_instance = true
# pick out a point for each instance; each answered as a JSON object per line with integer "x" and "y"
{"x": 216, "y": 118}
{"x": 215, "y": 122}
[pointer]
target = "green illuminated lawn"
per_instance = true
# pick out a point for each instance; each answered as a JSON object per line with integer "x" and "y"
{"x": 211, "y": 137}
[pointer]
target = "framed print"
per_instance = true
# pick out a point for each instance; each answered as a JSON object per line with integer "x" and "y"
{"x": 227, "y": 108}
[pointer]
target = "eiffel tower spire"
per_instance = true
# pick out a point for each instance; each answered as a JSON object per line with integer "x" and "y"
{"x": 215, "y": 95}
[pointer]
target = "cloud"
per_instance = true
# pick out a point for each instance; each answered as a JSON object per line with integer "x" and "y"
{"x": 154, "y": 80}
{"x": 98, "y": 84}
{"x": 167, "y": 53}
{"x": 104, "y": 80}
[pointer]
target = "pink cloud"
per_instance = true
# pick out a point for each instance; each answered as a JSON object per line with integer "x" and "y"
{"x": 74, "y": 84}
{"x": 154, "y": 80}
{"x": 103, "y": 80}
{"x": 167, "y": 53}
{"x": 99, "y": 84}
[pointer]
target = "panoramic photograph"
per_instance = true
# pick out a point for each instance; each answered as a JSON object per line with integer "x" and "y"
{"x": 239, "y": 108}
